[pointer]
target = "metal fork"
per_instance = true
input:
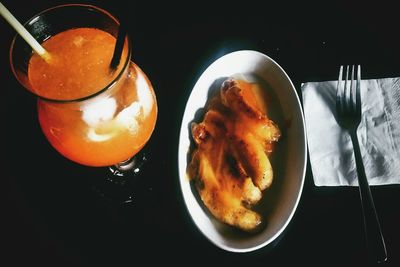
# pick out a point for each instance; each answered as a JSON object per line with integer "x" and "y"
{"x": 348, "y": 109}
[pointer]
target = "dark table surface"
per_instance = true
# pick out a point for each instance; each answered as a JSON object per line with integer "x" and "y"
{"x": 51, "y": 217}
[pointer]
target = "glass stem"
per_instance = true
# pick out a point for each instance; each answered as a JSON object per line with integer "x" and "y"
{"x": 128, "y": 167}
{"x": 120, "y": 179}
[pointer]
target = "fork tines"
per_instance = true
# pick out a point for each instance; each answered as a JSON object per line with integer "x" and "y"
{"x": 348, "y": 98}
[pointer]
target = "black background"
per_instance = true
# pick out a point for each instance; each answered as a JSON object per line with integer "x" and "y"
{"x": 49, "y": 216}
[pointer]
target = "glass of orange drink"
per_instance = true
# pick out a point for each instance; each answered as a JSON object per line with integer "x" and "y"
{"x": 91, "y": 113}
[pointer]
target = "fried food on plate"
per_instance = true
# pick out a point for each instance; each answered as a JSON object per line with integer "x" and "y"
{"x": 230, "y": 165}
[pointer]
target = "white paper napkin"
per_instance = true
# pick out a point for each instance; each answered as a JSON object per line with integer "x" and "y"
{"x": 330, "y": 147}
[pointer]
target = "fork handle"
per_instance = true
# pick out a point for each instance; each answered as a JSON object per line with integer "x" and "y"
{"x": 375, "y": 241}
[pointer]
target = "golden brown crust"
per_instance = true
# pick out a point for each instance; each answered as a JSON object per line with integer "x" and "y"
{"x": 230, "y": 165}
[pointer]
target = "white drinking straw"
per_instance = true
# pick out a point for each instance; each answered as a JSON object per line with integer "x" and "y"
{"x": 24, "y": 33}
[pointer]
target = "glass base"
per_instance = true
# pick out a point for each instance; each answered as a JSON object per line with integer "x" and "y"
{"x": 118, "y": 181}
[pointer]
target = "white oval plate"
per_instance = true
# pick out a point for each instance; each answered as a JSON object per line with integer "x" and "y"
{"x": 279, "y": 202}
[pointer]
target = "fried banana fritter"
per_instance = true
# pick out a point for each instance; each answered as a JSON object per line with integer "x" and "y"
{"x": 230, "y": 165}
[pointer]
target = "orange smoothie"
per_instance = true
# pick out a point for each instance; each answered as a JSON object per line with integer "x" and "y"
{"x": 101, "y": 130}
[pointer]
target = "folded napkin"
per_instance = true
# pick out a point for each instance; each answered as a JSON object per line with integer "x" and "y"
{"x": 330, "y": 147}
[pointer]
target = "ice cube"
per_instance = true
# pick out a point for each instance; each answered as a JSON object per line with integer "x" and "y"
{"x": 144, "y": 94}
{"x": 99, "y": 110}
{"x": 95, "y": 137}
{"x": 129, "y": 117}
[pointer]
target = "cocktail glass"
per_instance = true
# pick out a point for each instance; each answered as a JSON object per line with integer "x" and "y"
{"x": 106, "y": 126}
